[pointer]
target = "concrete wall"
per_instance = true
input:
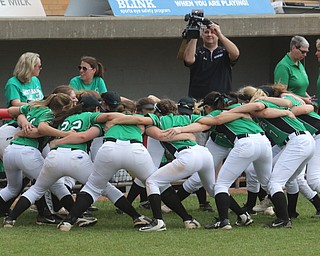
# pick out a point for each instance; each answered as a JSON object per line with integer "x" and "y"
{"x": 140, "y": 67}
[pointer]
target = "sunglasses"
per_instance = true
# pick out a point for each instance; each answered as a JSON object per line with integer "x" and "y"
{"x": 83, "y": 68}
{"x": 303, "y": 52}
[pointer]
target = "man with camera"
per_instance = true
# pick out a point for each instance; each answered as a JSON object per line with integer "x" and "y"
{"x": 210, "y": 65}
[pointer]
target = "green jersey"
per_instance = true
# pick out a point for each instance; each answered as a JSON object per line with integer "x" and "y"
{"x": 278, "y": 129}
{"x": 124, "y": 132}
{"x": 292, "y": 75}
{"x": 97, "y": 84}
{"x": 171, "y": 121}
{"x": 27, "y": 92}
{"x": 79, "y": 123}
{"x": 235, "y": 127}
{"x": 311, "y": 120}
{"x": 34, "y": 116}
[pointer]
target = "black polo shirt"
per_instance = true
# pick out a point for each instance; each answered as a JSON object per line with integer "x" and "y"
{"x": 211, "y": 71}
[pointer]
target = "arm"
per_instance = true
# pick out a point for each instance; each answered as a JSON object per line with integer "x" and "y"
{"x": 248, "y": 108}
{"x": 105, "y": 117}
{"x": 32, "y": 133}
{"x": 302, "y": 110}
{"x": 190, "y": 51}
{"x": 14, "y": 111}
{"x": 25, "y": 125}
{"x": 278, "y": 101}
{"x": 273, "y": 113}
{"x": 231, "y": 48}
{"x": 46, "y": 130}
{"x": 224, "y": 117}
{"x": 77, "y": 137}
{"x": 137, "y": 120}
{"x": 160, "y": 135}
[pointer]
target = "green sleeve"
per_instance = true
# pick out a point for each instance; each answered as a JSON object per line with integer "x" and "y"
{"x": 281, "y": 75}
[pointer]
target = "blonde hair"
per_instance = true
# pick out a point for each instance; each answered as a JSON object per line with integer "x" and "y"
{"x": 56, "y": 102}
{"x": 25, "y": 66}
{"x": 318, "y": 43}
{"x": 252, "y": 92}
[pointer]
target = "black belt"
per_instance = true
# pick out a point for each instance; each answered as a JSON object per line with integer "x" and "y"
{"x": 213, "y": 136}
{"x": 317, "y": 133}
{"x": 183, "y": 148}
{"x": 115, "y": 140}
{"x": 297, "y": 133}
{"x": 67, "y": 148}
{"x": 246, "y": 135}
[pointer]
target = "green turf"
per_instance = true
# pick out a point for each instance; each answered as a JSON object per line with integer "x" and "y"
{"x": 114, "y": 235}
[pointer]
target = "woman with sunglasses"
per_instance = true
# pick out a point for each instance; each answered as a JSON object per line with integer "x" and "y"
{"x": 91, "y": 76}
{"x": 291, "y": 72}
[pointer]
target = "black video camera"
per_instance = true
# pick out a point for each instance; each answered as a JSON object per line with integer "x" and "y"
{"x": 195, "y": 20}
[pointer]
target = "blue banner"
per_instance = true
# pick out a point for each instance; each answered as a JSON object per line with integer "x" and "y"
{"x": 182, "y": 7}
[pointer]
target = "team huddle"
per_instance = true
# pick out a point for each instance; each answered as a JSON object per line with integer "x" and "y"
{"x": 269, "y": 133}
{"x": 84, "y": 133}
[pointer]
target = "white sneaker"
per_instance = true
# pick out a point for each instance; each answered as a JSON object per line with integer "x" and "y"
{"x": 86, "y": 221}
{"x": 264, "y": 204}
{"x": 141, "y": 221}
{"x": 192, "y": 224}
{"x": 244, "y": 220}
{"x": 64, "y": 226}
{"x": 269, "y": 211}
{"x": 155, "y": 225}
{"x": 165, "y": 209}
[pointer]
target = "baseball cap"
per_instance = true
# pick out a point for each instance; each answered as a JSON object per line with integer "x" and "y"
{"x": 90, "y": 101}
{"x": 185, "y": 106}
{"x": 208, "y": 101}
{"x": 112, "y": 99}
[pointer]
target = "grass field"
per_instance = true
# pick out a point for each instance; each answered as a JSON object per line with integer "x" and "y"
{"x": 114, "y": 235}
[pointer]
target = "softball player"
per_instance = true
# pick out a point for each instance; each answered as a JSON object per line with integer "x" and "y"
{"x": 289, "y": 133}
{"x": 110, "y": 158}
{"x": 250, "y": 145}
{"x": 72, "y": 160}
{"x": 23, "y": 156}
{"x": 189, "y": 158}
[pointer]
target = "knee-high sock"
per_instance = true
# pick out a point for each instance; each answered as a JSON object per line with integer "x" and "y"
{"x": 235, "y": 207}
{"x": 172, "y": 200}
{"x": 262, "y": 194}
{"x": 251, "y": 200}
{"x": 280, "y": 204}
{"x": 223, "y": 204}
{"x": 124, "y": 205}
{"x": 82, "y": 203}
{"x": 67, "y": 202}
{"x": 134, "y": 191}
{"x": 22, "y": 205}
{"x": 316, "y": 202}
{"x": 143, "y": 196}
{"x": 155, "y": 203}
{"x": 292, "y": 203}
{"x": 182, "y": 194}
{"x": 202, "y": 195}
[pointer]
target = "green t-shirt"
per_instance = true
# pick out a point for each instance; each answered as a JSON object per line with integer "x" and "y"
{"x": 80, "y": 123}
{"x": 278, "y": 129}
{"x": 124, "y": 132}
{"x": 27, "y": 92}
{"x": 311, "y": 120}
{"x": 292, "y": 75}
{"x": 235, "y": 127}
{"x": 97, "y": 84}
{"x": 171, "y": 121}
{"x": 34, "y": 116}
